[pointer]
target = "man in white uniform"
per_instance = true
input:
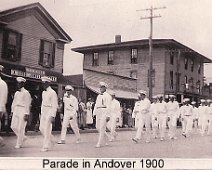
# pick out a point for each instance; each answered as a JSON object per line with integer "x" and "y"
{"x": 203, "y": 110}
{"x": 141, "y": 110}
{"x": 186, "y": 112}
{"x": 20, "y": 111}
{"x": 102, "y": 112}
{"x": 114, "y": 115}
{"x": 172, "y": 114}
{"x": 48, "y": 112}
{"x": 89, "y": 114}
{"x": 162, "y": 116}
{"x": 195, "y": 116}
{"x": 3, "y": 100}
{"x": 154, "y": 116}
{"x": 210, "y": 117}
{"x": 70, "y": 114}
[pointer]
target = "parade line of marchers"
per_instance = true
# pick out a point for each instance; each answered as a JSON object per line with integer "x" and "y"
{"x": 86, "y": 164}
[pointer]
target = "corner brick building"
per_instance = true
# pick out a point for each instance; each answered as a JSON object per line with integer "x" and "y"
{"x": 178, "y": 69}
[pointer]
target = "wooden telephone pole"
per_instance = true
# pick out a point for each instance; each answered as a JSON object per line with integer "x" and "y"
{"x": 150, "y": 17}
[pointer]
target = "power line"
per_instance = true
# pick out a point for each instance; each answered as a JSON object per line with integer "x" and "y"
{"x": 150, "y": 17}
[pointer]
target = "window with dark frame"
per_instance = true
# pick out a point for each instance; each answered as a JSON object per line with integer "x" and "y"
{"x": 198, "y": 86}
{"x": 95, "y": 59}
{"x": 192, "y": 65}
{"x": 172, "y": 58}
{"x": 186, "y": 62}
{"x": 12, "y": 42}
{"x": 47, "y": 53}
{"x": 199, "y": 68}
{"x": 134, "y": 55}
{"x": 110, "y": 57}
{"x": 171, "y": 80}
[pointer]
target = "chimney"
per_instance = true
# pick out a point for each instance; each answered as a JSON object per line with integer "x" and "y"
{"x": 118, "y": 39}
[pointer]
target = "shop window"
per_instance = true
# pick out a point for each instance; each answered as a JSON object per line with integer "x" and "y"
{"x": 171, "y": 80}
{"x": 95, "y": 59}
{"x": 110, "y": 57}
{"x": 47, "y": 53}
{"x": 134, "y": 56}
{"x": 133, "y": 74}
{"x": 12, "y": 42}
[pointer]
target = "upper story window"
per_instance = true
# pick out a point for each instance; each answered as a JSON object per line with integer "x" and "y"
{"x": 134, "y": 55}
{"x": 95, "y": 59}
{"x": 172, "y": 58}
{"x": 133, "y": 74}
{"x": 47, "y": 53}
{"x": 12, "y": 42}
{"x": 186, "y": 62}
{"x": 199, "y": 68}
{"x": 171, "y": 80}
{"x": 110, "y": 57}
{"x": 192, "y": 65}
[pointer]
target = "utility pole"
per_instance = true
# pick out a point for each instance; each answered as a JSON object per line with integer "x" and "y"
{"x": 150, "y": 17}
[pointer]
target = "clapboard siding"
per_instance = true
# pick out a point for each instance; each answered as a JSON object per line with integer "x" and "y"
{"x": 33, "y": 31}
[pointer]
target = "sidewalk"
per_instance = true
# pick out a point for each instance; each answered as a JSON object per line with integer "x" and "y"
{"x": 86, "y": 130}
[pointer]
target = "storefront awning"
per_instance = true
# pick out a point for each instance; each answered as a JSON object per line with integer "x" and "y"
{"x": 119, "y": 93}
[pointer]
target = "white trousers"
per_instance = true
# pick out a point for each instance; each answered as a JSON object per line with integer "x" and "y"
{"x": 172, "y": 123}
{"x": 72, "y": 122}
{"x": 111, "y": 125}
{"x": 162, "y": 124}
{"x": 205, "y": 124}
{"x": 143, "y": 119}
{"x": 18, "y": 124}
{"x": 154, "y": 125}
{"x": 46, "y": 126}
{"x": 101, "y": 125}
{"x": 187, "y": 124}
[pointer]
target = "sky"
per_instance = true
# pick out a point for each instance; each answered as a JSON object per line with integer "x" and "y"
{"x": 91, "y": 22}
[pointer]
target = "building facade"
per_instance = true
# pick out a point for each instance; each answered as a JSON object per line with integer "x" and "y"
{"x": 31, "y": 46}
{"x": 177, "y": 69}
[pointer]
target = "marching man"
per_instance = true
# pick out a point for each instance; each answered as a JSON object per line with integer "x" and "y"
{"x": 20, "y": 111}
{"x": 70, "y": 114}
{"x": 141, "y": 110}
{"x": 172, "y": 114}
{"x": 3, "y": 100}
{"x": 114, "y": 116}
{"x": 48, "y": 112}
{"x": 195, "y": 116}
{"x": 102, "y": 112}
{"x": 186, "y": 112}
{"x": 154, "y": 116}
{"x": 162, "y": 116}
{"x": 203, "y": 110}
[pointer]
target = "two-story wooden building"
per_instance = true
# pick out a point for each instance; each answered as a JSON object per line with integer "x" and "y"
{"x": 31, "y": 45}
{"x": 177, "y": 68}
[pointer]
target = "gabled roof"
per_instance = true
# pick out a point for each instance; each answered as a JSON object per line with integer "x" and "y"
{"x": 39, "y": 8}
{"x": 144, "y": 43}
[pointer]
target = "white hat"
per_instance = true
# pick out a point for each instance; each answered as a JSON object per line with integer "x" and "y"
{"x": 193, "y": 102}
{"x": 1, "y": 67}
{"x": 186, "y": 99}
{"x": 155, "y": 97}
{"x": 45, "y": 79}
{"x": 69, "y": 87}
{"x": 172, "y": 96}
{"x": 202, "y": 100}
{"x": 20, "y": 79}
{"x": 103, "y": 84}
{"x": 142, "y": 92}
{"x": 209, "y": 100}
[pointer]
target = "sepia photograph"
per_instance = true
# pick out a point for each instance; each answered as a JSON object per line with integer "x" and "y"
{"x": 106, "y": 79}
